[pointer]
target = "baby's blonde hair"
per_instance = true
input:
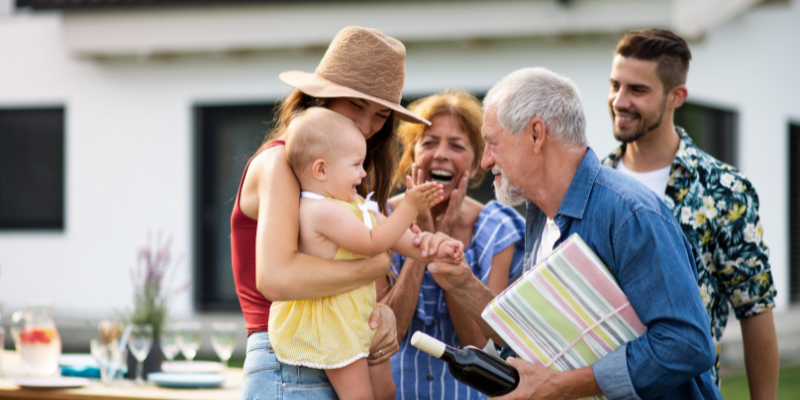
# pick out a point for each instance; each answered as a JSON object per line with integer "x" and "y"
{"x": 312, "y": 136}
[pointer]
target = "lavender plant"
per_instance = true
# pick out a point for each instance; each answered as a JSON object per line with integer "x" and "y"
{"x": 151, "y": 296}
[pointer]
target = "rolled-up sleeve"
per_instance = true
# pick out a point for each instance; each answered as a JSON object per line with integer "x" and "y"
{"x": 654, "y": 265}
{"x": 612, "y": 375}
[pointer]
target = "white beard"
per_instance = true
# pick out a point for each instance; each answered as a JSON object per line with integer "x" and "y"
{"x": 506, "y": 193}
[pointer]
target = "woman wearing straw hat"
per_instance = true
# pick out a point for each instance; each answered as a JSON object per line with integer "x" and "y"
{"x": 361, "y": 77}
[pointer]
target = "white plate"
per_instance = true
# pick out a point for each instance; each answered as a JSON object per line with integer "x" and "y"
{"x": 51, "y": 382}
{"x": 195, "y": 367}
{"x": 187, "y": 381}
{"x": 77, "y": 360}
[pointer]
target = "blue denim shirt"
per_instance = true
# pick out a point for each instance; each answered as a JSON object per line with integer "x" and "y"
{"x": 635, "y": 235}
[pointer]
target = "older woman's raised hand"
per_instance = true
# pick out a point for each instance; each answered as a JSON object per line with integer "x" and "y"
{"x": 424, "y": 219}
{"x": 453, "y": 212}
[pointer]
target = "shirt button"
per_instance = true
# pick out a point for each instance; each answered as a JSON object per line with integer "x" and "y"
{"x": 433, "y": 324}
{"x": 430, "y": 377}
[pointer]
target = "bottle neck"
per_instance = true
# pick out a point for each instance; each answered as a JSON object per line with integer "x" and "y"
{"x": 449, "y": 354}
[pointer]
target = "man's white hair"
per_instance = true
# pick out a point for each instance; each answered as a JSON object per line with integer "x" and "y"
{"x": 540, "y": 93}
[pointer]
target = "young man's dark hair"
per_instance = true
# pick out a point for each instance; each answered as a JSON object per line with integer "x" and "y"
{"x": 667, "y": 49}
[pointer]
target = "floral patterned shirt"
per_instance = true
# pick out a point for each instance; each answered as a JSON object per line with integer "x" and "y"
{"x": 717, "y": 209}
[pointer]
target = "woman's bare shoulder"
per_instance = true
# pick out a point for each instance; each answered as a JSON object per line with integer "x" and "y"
{"x": 268, "y": 158}
{"x": 267, "y": 172}
{"x": 268, "y": 165}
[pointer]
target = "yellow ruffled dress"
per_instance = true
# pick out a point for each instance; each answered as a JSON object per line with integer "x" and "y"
{"x": 330, "y": 332}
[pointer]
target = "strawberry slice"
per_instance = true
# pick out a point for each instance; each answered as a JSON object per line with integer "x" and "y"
{"x": 37, "y": 335}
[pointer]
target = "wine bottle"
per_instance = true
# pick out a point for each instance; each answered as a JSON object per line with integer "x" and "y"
{"x": 471, "y": 365}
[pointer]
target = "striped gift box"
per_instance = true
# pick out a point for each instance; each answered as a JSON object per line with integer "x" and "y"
{"x": 565, "y": 313}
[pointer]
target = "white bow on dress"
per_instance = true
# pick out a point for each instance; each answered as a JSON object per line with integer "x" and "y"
{"x": 366, "y": 207}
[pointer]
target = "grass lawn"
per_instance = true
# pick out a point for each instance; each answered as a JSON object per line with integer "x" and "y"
{"x": 735, "y": 387}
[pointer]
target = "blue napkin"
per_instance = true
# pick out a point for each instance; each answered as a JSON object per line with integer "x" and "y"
{"x": 81, "y": 371}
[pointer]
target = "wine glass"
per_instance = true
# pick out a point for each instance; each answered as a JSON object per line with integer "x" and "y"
{"x": 169, "y": 341}
{"x": 189, "y": 340}
{"x": 223, "y": 339}
{"x": 139, "y": 343}
{"x": 17, "y": 323}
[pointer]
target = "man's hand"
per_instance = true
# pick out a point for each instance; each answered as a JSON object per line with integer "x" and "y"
{"x": 535, "y": 382}
{"x": 384, "y": 344}
{"x": 542, "y": 383}
{"x": 450, "y": 277}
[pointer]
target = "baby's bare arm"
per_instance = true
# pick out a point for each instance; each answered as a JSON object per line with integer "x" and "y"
{"x": 337, "y": 224}
{"x": 449, "y": 249}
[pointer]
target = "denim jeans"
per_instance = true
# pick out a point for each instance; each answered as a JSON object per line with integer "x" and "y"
{"x": 266, "y": 378}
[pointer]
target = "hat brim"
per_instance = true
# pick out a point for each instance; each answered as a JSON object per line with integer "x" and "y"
{"x": 317, "y": 86}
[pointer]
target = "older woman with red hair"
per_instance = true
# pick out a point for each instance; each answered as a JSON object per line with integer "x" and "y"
{"x": 448, "y": 152}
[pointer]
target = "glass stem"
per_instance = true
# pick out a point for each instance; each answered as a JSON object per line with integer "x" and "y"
{"x": 139, "y": 372}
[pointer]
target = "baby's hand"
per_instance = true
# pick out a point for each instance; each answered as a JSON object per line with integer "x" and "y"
{"x": 424, "y": 196}
{"x": 451, "y": 251}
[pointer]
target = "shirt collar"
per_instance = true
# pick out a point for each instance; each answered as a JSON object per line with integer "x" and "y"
{"x": 574, "y": 203}
{"x": 685, "y": 157}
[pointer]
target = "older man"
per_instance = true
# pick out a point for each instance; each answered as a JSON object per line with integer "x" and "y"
{"x": 534, "y": 128}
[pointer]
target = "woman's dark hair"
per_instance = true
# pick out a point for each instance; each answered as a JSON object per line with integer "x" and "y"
{"x": 381, "y": 160}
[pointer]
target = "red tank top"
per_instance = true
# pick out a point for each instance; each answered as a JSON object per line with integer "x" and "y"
{"x": 243, "y": 257}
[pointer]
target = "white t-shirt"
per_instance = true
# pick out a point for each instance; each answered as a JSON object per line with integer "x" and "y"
{"x": 655, "y": 180}
{"x": 550, "y": 234}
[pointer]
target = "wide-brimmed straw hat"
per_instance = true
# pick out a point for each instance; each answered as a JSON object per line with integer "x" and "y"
{"x": 361, "y": 63}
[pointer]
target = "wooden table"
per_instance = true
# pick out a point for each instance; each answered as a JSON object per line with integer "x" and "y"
{"x": 126, "y": 389}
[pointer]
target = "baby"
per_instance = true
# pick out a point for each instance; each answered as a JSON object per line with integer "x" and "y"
{"x": 326, "y": 152}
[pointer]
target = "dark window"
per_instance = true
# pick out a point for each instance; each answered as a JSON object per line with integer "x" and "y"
{"x": 713, "y": 130}
{"x": 794, "y": 211}
{"x": 32, "y": 169}
{"x": 227, "y": 137}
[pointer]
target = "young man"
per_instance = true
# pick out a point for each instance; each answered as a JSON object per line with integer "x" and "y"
{"x": 716, "y": 206}
{"x": 535, "y": 133}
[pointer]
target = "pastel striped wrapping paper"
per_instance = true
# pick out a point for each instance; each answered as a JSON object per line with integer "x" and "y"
{"x": 565, "y": 313}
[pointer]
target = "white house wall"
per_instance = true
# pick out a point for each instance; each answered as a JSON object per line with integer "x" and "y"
{"x": 129, "y": 133}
